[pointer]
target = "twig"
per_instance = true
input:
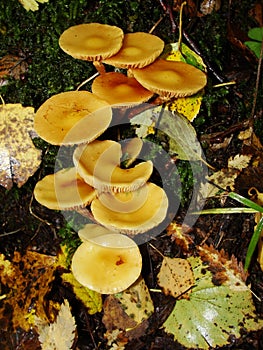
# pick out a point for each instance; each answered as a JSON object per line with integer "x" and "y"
{"x": 257, "y": 85}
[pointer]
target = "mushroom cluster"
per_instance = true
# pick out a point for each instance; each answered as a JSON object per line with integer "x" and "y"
{"x": 121, "y": 201}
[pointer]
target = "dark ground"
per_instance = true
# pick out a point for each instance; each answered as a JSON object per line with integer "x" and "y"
{"x": 224, "y": 111}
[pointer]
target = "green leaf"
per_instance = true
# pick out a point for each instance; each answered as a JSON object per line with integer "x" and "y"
{"x": 256, "y": 33}
{"x": 91, "y": 299}
{"x": 212, "y": 313}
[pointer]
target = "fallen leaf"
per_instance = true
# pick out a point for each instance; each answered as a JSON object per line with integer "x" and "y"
{"x": 91, "y": 300}
{"x": 214, "y": 312}
{"x": 19, "y": 159}
{"x": 59, "y": 335}
{"x": 189, "y": 107}
{"x": 176, "y": 277}
{"x": 28, "y": 278}
{"x": 12, "y": 66}
{"x": 31, "y": 4}
{"x": 129, "y": 310}
{"x": 239, "y": 161}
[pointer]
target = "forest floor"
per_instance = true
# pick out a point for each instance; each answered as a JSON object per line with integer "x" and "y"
{"x": 226, "y": 111}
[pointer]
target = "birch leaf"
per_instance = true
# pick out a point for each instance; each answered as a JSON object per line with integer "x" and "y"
{"x": 136, "y": 301}
{"x": 92, "y": 300}
{"x": 214, "y": 312}
{"x": 129, "y": 310}
{"x": 19, "y": 159}
{"x": 59, "y": 335}
{"x": 176, "y": 277}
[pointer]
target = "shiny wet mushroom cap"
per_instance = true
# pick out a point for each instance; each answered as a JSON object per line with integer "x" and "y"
{"x": 91, "y": 41}
{"x": 72, "y": 117}
{"x": 171, "y": 79}
{"x": 131, "y": 212}
{"x": 138, "y": 50}
{"x": 64, "y": 190}
{"x": 108, "y": 266}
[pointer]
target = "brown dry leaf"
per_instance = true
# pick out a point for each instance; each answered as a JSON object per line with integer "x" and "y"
{"x": 19, "y": 159}
{"x": 225, "y": 178}
{"x": 12, "y": 66}
{"x": 129, "y": 310}
{"x": 176, "y": 277}
{"x": 179, "y": 234}
{"x": 28, "y": 278}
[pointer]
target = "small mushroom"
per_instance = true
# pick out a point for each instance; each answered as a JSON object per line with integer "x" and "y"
{"x": 107, "y": 264}
{"x": 138, "y": 50}
{"x": 72, "y": 117}
{"x": 118, "y": 89}
{"x": 64, "y": 190}
{"x": 170, "y": 79}
{"x": 131, "y": 212}
{"x": 98, "y": 163}
{"x": 131, "y": 149}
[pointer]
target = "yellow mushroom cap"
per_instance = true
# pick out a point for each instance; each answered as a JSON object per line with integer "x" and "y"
{"x": 131, "y": 212}
{"x": 170, "y": 78}
{"x": 98, "y": 163}
{"x": 137, "y": 51}
{"x": 91, "y": 41}
{"x": 64, "y": 190}
{"x": 72, "y": 117}
{"x": 107, "y": 269}
{"x": 117, "y": 88}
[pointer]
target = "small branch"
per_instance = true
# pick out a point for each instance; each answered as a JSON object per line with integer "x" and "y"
{"x": 257, "y": 85}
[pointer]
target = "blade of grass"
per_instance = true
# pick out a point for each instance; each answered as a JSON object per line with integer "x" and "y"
{"x": 237, "y": 210}
{"x": 245, "y": 201}
{"x": 253, "y": 243}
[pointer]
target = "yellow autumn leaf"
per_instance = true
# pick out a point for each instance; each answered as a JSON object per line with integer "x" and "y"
{"x": 187, "y": 106}
{"x": 19, "y": 159}
{"x": 176, "y": 277}
{"x": 91, "y": 299}
{"x": 31, "y": 5}
{"x": 136, "y": 301}
{"x": 27, "y": 290}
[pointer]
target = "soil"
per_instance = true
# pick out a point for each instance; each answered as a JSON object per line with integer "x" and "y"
{"x": 26, "y": 225}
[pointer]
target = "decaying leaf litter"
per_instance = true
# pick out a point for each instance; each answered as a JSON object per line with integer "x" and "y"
{"x": 241, "y": 161}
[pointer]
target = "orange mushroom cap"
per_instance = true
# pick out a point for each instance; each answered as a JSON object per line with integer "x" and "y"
{"x": 72, "y": 117}
{"x": 138, "y": 50}
{"x": 91, "y": 41}
{"x": 118, "y": 89}
{"x": 170, "y": 79}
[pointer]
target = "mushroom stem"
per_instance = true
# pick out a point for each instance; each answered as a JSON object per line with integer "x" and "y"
{"x": 100, "y": 67}
{"x": 87, "y": 80}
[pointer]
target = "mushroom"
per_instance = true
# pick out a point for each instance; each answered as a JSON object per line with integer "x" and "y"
{"x": 64, "y": 190}
{"x": 118, "y": 89}
{"x": 170, "y": 79}
{"x": 137, "y": 51}
{"x": 72, "y": 117}
{"x": 130, "y": 149}
{"x": 107, "y": 263}
{"x": 131, "y": 212}
{"x": 98, "y": 163}
{"x": 91, "y": 41}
